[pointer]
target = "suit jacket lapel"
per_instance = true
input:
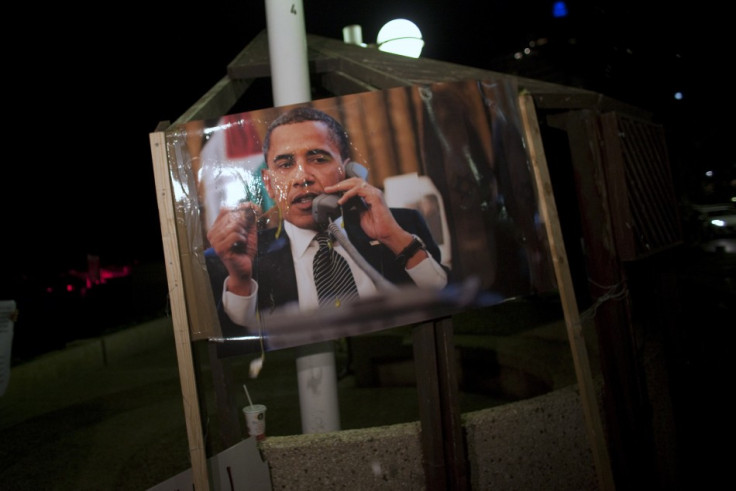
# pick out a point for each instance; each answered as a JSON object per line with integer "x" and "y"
{"x": 275, "y": 271}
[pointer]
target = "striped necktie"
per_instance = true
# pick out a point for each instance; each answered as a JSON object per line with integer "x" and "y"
{"x": 332, "y": 276}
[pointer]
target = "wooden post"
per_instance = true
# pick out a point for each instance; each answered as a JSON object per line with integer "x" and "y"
{"x": 180, "y": 320}
{"x": 452, "y": 431}
{"x": 617, "y": 224}
{"x": 443, "y": 448}
{"x": 579, "y": 350}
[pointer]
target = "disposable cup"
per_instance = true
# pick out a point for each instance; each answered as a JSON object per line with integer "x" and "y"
{"x": 255, "y": 418}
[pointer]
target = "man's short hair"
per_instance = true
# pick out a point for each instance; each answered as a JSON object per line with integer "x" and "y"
{"x": 303, "y": 114}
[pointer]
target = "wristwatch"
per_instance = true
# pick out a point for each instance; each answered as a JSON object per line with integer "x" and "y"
{"x": 414, "y": 246}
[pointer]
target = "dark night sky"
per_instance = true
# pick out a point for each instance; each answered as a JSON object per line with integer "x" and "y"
{"x": 88, "y": 87}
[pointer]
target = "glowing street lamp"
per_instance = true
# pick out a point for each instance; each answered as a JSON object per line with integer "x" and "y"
{"x": 401, "y": 37}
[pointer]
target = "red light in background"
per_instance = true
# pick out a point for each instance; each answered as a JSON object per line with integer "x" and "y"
{"x": 107, "y": 273}
{"x": 94, "y": 276}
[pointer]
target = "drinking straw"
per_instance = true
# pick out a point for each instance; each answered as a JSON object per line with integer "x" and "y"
{"x": 247, "y": 395}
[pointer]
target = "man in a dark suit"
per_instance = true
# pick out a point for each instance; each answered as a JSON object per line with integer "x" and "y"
{"x": 255, "y": 273}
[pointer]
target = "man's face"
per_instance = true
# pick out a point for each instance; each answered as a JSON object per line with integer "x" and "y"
{"x": 302, "y": 160}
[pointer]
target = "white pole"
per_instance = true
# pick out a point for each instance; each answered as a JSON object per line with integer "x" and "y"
{"x": 287, "y": 45}
{"x": 317, "y": 380}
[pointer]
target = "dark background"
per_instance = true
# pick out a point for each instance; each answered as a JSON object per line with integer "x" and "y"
{"x": 87, "y": 86}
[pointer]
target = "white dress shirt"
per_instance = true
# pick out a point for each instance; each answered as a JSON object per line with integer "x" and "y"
{"x": 242, "y": 310}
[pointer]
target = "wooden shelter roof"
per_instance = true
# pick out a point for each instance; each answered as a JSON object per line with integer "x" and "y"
{"x": 342, "y": 68}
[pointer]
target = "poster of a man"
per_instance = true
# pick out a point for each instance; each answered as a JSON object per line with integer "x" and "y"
{"x": 373, "y": 210}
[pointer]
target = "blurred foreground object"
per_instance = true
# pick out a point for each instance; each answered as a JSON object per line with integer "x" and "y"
{"x": 8, "y": 316}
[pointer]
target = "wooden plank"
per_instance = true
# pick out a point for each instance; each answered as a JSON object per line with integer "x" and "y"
{"x": 625, "y": 400}
{"x": 430, "y": 412}
{"x": 573, "y": 323}
{"x": 443, "y": 447}
{"x": 253, "y": 61}
{"x": 618, "y": 194}
{"x": 180, "y": 321}
{"x": 228, "y": 413}
{"x": 217, "y": 101}
{"x": 386, "y": 70}
{"x": 452, "y": 431}
{"x": 340, "y": 83}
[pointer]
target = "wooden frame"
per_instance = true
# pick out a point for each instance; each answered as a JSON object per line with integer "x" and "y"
{"x": 332, "y": 61}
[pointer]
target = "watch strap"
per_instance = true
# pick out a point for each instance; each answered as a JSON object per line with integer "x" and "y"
{"x": 414, "y": 246}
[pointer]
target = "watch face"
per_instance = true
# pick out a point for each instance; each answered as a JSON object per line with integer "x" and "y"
{"x": 415, "y": 246}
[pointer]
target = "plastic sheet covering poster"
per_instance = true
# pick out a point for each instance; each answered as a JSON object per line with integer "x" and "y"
{"x": 425, "y": 196}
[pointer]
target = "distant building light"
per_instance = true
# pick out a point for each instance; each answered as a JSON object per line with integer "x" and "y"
{"x": 559, "y": 9}
{"x": 518, "y": 55}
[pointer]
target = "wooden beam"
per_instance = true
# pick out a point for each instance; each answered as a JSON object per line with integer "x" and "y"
{"x": 179, "y": 317}
{"x": 217, "y": 101}
{"x": 443, "y": 448}
{"x": 430, "y": 412}
{"x": 573, "y": 322}
{"x": 381, "y": 70}
{"x": 253, "y": 61}
{"x": 340, "y": 83}
{"x": 229, "y": 416}
{"x": 625, "y": 398}
{"x": 386, "y": 70}
{"x": 452, "y": 431}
